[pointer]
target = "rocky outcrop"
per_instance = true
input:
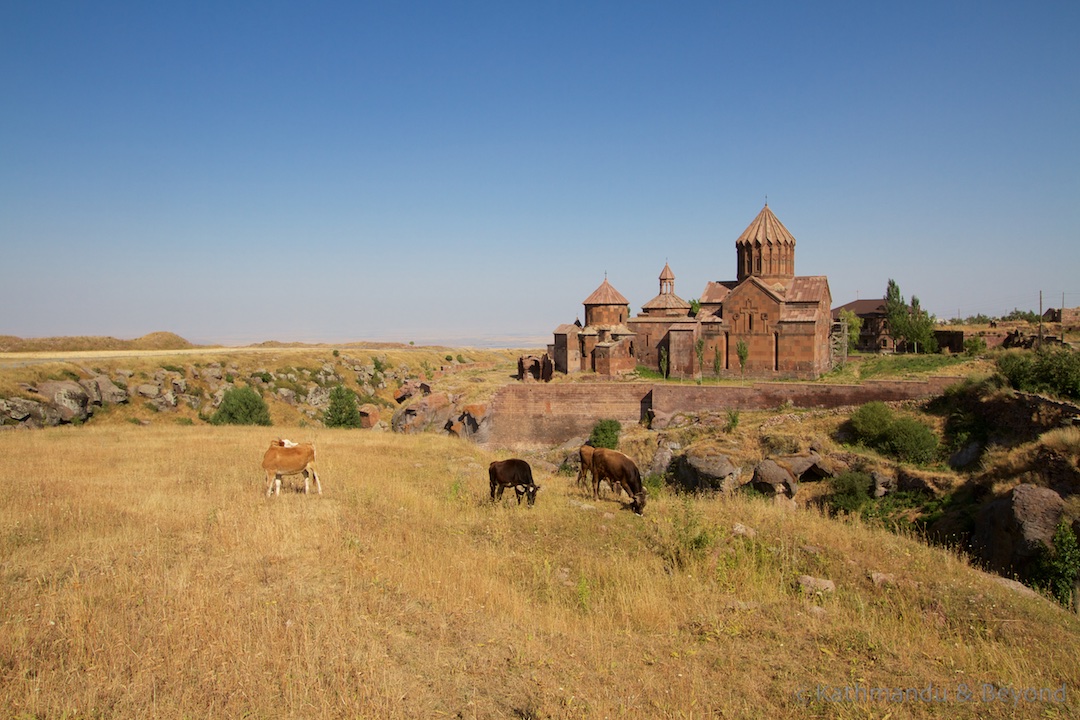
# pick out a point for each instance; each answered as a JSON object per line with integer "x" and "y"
{"x": 771, "y": 478}
{"x": 431, "y": 412}
{"x": 68, "y": 398}
{"x": 695, "y": 473}
{"x": 1011, "y": 530}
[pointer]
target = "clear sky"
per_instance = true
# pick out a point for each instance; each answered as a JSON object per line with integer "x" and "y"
{"x": 468, "y": 172}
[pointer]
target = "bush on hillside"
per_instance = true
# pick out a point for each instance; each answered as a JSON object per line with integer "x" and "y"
{"x": 1055, "y": 372}
{"x": 1057, "y": 569}
{"x": 342, "y": 410}
{"x": 875, "y": 426}
{"x": 910, "y": 441}
{"x": 850, "y": 491}
{"x": 242, "y": 406}
{"x": 605, "y": 434}
{"x": 871, "y": 422}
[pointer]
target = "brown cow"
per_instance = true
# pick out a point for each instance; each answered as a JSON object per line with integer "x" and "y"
{"x": 286, "y": 458}
{"x": 618, "y": 470}
{"x": 585, "y": 453}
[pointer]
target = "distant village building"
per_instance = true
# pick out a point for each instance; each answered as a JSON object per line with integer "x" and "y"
{"x": 783, "y": 321}
{"x": 1070, "y": 317}
{"x": 874, "y": 334}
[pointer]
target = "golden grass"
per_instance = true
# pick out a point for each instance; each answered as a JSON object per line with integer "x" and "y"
{"x": 145, "y": 575}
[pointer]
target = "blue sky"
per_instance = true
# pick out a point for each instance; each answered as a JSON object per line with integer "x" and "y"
{"x": 469, "y": 172}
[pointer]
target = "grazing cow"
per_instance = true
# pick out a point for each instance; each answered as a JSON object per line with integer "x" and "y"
{"x": 284, "y": 457}
{"x": 618, "y": 470}
{"x": 512, "y": 473}
{"x": 585, "y": 453}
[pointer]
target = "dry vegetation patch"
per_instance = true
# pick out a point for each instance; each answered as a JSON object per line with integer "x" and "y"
{"x": 144, "y": 574}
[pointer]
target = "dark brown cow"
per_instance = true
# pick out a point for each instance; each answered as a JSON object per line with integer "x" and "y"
{"x": 287, "y": 458}
{"x": 512, "y": 473}
{"x": 618, "y": 470}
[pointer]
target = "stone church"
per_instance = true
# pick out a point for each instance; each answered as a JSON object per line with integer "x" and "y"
{"x": 781, "y": 322}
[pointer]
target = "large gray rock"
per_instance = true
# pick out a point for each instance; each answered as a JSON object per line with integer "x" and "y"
{"x": 707, "y": 472}
{"x": 318, "y": 397}
{"x": 68, "y": 397}
{"x": 807, "y": 466}
{"x": 28, "y": 413}
{"x": 103, "y": 391}
{"x": 148, "y": 390}
{"x": 772, "y": 478}
{"x": 433, "y": 412}
{"x": 1010, "y": 531}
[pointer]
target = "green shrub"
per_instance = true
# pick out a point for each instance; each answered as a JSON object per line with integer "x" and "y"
{"x": 850, "y": 492}
{"x": 974, "y": 345}
{"x": 175, "y": 369}
{"x": 242, "y": 406}
{"x": 1055, "y": 372}
{"x": 342, "y": 410}
{"x": 871, "y": 422}
{"x": 904, "y": 438}
{"x": 605, "y": 434}
{"x": 1056, "y": 570}
{"x": 910, "y": 441}
{"x": 732, "y": 421}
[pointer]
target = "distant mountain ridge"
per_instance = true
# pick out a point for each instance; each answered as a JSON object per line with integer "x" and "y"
{"x": 153, "y": 341}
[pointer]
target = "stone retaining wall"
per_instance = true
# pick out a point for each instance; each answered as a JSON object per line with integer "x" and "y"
{"x": 550, "y": 414}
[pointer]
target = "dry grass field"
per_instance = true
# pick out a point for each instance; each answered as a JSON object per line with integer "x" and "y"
{"x": 143, "y": 573}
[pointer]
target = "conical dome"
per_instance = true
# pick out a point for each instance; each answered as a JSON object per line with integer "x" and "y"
{"x": 766, "y": 249}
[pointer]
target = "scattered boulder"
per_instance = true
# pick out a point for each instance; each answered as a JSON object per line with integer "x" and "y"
{"x": 472, "y": 423}
{"x": 883, "y": 484}
{"x": 369, "y": 416}
{"x": 104, "y": 391}
{"x": 431, "y": 411}
{"x": 695, "y": 473}
{"x": 772, "y": 478}
{"x": 148, "y": 390}
{"x": 807, "y": 466}
{"x": 1010, "y": 531}
{"x": 816, "y": 586}
{"x": 68, "y": 397}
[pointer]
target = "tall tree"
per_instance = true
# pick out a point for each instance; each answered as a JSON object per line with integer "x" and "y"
{"x": 909, "y": 325}
{"x": 854, "y": 326}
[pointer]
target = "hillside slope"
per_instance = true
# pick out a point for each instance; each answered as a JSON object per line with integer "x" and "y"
{"x": 144, "y": 579}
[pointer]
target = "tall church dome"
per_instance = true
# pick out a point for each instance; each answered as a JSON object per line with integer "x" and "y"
{"x": 766, "y": 249}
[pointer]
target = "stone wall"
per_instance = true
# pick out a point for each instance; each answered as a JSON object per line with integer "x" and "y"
{"x": 531, "y": 414}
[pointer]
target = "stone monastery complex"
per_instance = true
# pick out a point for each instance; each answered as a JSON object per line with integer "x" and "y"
{"x": 781, "y": 322}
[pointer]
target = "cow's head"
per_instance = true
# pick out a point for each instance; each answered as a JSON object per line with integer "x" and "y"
{"x": 529, "y": 491}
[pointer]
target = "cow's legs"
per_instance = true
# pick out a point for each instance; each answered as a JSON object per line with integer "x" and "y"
{"x": 307, "y": 483}
{"x": 270, "y": 477}
{"x": 315, "y": 477}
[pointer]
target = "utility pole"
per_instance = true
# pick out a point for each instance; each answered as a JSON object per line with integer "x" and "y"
{"x": 1039, "y": 346}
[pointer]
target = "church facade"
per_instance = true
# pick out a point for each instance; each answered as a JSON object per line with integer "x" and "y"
{"x": 767, "y": 322}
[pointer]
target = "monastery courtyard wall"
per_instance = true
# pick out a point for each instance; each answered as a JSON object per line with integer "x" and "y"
{"x": 551, "y": 414}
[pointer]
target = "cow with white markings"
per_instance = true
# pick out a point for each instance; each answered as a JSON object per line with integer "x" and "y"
{"x": 285, "y": 457}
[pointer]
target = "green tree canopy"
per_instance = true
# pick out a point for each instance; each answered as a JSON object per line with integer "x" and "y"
{"x": 342, "y": 410}
{"x": 854, "y": 326}
{"x": 909, "y": 325}
{"x": 241, "y": 406}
